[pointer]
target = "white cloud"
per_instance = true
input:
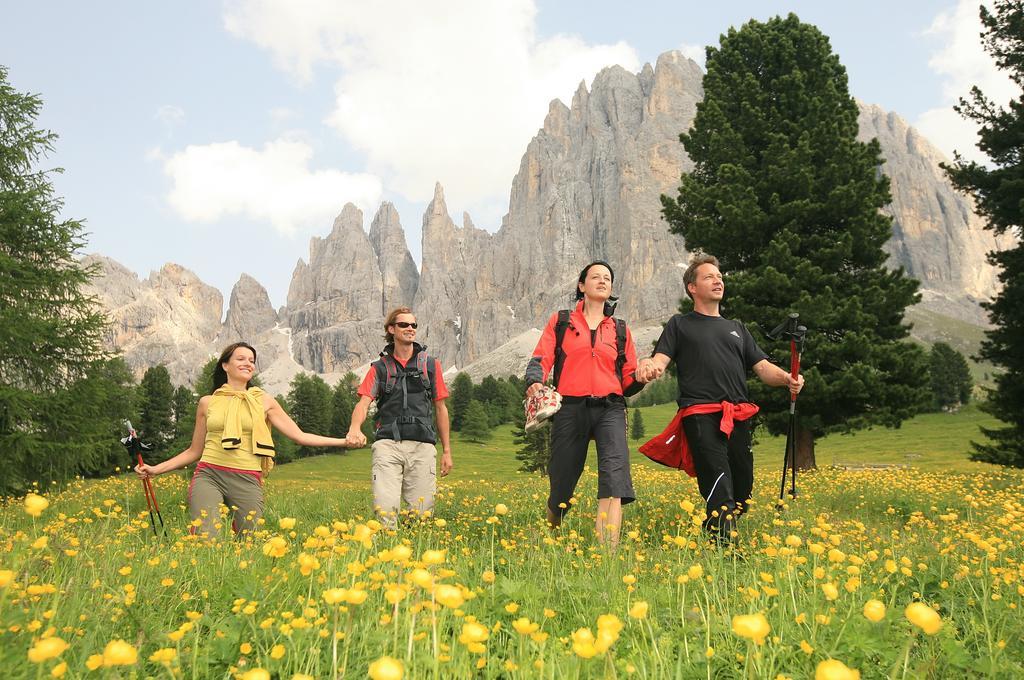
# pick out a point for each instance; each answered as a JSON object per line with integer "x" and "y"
{"x": 962, "y": 63}
{"x": 447, "y": 91}
{"x": 170, "y": 115}
{"x": 695, "y": 52}
{"x": 273, "y": 184}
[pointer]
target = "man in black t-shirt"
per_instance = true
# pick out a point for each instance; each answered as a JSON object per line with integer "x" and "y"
{"x": 713, "y": 356}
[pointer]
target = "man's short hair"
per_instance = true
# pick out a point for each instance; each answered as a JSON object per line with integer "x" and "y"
{"x": 690, "y": 276}
{"x": 390, "y": 321}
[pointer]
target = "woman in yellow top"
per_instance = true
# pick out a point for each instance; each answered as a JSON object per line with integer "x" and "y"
{"x": 233, "y": 445}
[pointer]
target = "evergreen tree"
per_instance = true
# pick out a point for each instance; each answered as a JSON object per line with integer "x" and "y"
{"x": 999, "y": 197}
{"x": 310, "y": 399}
{"x": 185, "y": 403}
{"x": 664, "y": 390}
{"x": 789, "y": 201}
{"x": 534, "y": 448}
{"x": 204, "y": 381}
{"x": 475, "y": 427}
{"x": 50, "y": 330}
{"x": 512, "y": 396}
{"x": 950, "y": 376}
{"x": 156, "y": 412}
{"x": 285, "y": 450}
{"x": 343, "y": 400}
{"x": 637, "y": 431}
{"x": 461, "y": 395}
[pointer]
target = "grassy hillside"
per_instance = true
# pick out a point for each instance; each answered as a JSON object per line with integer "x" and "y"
{"x": 930, "y": 441}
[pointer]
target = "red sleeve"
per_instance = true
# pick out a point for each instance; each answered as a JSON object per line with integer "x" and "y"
{"x": 369, "y": 387}
{"x": 543, "y": 354}
{"x": 440, "y": 389}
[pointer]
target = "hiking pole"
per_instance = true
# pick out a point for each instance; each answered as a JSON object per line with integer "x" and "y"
{"x": 135, "y": 448}
{"x": 791, "y": 330}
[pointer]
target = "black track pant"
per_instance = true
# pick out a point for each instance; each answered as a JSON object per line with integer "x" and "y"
{"x": 725, "y": 469}
{"x": 579, "y": 420}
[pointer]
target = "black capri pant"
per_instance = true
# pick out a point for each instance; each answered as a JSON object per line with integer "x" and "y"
{"x": 581, "y": 419}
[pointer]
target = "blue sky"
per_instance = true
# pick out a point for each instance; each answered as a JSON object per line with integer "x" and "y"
{"x": 223, "y": 135}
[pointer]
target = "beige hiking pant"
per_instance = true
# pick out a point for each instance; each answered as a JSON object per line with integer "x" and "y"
{"x": 212, "y": 488}
{"x": 403, "y": 471}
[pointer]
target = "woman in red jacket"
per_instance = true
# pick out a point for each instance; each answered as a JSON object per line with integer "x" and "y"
{"x": 593, "y": 376}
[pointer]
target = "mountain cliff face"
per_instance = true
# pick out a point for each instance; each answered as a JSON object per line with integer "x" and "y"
{"x": 937, "y": 237}
{"x": 587, "y": 188}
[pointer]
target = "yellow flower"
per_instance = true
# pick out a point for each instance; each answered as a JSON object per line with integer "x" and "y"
{"x": 638, "y": 610}
{"x": 335, "y": 595}
{"x": 35, "y": 504}
{"x": 275, "y": 547}
{"x": 449, "y": 596}
{"x": 386, "y": 668}
{"x": 473, "y": 632}
{"x": 245, "y": 648}
{"x": 94, "y": 661}
{"x": 40, "y": 542}
{"x": 255, "y": 674}
{"x": 164, "y": 656}
{"x": 584, "y": 644}
{"x": 401, "y": 553}
{"x": 356, "y": 596}
{"x": 874, "y": 611}
{"x": 806, "y": 647}
{"x": 924, "y": 617}
{"x": 59, "y": 670}
{"x": 286, "y": 523}
{"x": 512, "y": 607}
{"x": 488, "y": 576}
{"x": 47, "y": 648}
{"x": 524, "y": 626}
{"x": 695, "y": 572}
{"x": 433, "y": 557}
{"x": 831, "y": 592}
{"x": 629, "y": 579}
{"x": 119, "y": 653}
{"x": 277, "y": 651}
{"x": 794, "y": 541}
{"x": 422, "y": 578}
{"x": 752, "y": 626}
{"x": 833, "y": 669}
{"x": 500, "y": 509}
{"x": 687, "y": 506}
{"x": 6, "y": 576}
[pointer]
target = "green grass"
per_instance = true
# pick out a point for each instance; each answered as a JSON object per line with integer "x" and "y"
{"x": 928, "y": 441}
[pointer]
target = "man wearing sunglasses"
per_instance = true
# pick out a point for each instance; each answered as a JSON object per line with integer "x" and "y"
{"x": 409, "y": 389}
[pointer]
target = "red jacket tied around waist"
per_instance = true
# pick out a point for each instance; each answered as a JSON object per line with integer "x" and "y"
{"x": 671, "y": 448}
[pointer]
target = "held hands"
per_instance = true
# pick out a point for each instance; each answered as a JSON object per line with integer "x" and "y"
{"x": 355, "y": 439}
{"x": 647, "y": 370}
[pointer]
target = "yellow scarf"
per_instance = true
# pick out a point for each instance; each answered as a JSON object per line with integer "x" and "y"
{"x": 263, "y": 443}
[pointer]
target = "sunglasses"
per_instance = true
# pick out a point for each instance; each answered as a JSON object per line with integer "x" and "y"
{"x": 406, "y": 324}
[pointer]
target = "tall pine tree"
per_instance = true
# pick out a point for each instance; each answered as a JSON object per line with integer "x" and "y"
{"x": 950, "y": 377}
{"x": 789, "y": 201}
{"x": 998, "y": 192}
{"x": 50, "y": 329}
{"x": 156, "y": 413}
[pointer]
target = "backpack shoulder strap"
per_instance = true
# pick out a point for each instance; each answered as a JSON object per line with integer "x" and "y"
{"x": 388, "y": 374}
{"x": 620, "y": 347}
{"x": 425, "y": 365}
{"x": 560, "y": 327}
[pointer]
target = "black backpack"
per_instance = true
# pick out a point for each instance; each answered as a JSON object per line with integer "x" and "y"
{"x": 620, "y": 344}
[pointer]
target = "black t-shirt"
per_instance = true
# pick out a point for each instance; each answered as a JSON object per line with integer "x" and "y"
{"x": 712, "y": 356}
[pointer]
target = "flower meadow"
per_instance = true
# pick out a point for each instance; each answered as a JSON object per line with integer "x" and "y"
{"x": 867, "y": 573}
